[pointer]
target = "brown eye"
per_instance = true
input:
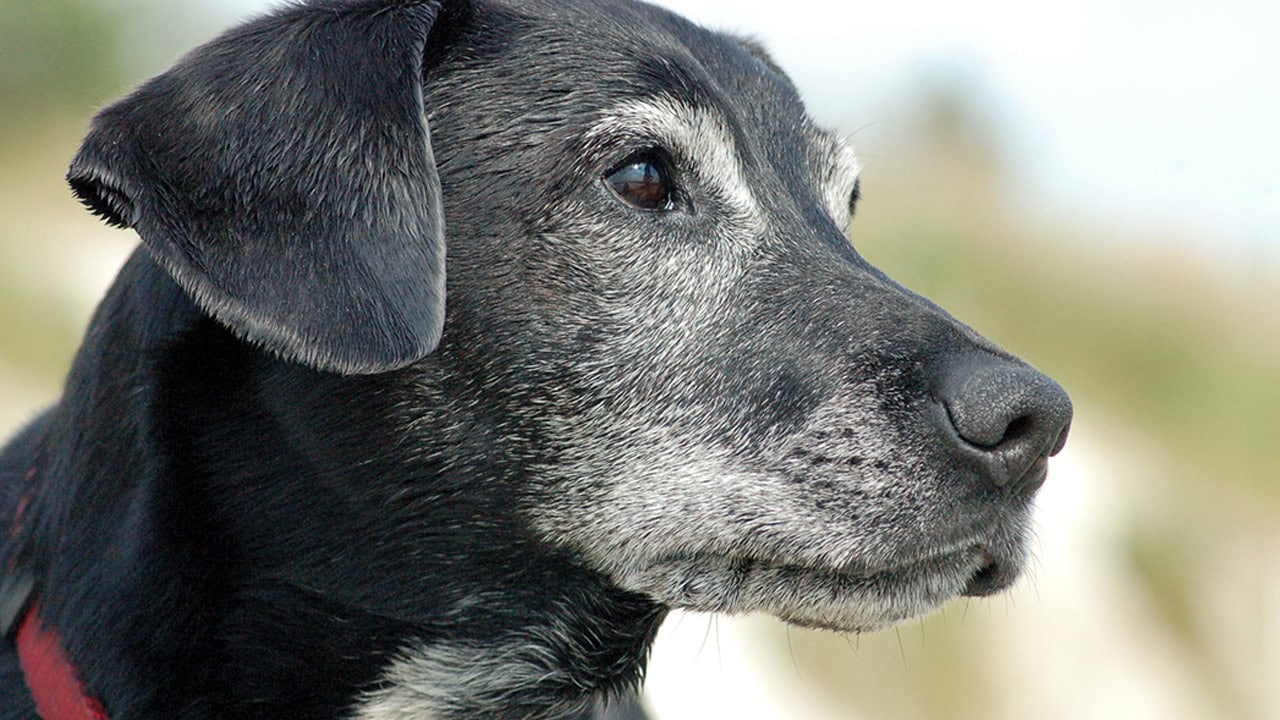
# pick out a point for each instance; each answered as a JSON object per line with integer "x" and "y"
{"x": 642, "y": 183}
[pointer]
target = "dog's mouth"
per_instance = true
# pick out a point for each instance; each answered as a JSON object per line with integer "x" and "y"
{"x": 992, "y": 576}
{"x": 844, "y": 599}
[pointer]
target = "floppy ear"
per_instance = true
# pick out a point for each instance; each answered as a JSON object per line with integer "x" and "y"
{"x": 283, "y": 175}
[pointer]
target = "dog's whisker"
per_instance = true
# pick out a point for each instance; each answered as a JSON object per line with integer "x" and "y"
{"x": 719, "y": 655}
{"x": 791, "y": 653}
{"x": 706, "y": 635}
{"x": 850, "y": 642}
{"x": 902, "y": 652}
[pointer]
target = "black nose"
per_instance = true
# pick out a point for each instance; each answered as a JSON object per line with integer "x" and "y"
{"x": 1009, "y": 416}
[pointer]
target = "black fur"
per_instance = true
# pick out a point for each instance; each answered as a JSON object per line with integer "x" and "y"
{"x": 265, "y": 483}
{"x": 289, "y": 184}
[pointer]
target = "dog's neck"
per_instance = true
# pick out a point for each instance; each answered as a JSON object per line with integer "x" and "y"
{"x": 479, "y": 664}
{"x": 545, "y": 671}
{"x": 277, "y": 564}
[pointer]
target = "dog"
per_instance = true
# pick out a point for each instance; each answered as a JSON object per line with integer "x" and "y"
{"x": 300, "y": 470}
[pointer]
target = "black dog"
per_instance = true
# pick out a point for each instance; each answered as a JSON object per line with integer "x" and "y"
{"x": 298, "y": 473}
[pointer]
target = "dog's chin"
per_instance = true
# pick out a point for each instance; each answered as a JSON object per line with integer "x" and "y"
{"x": 828, "y": 598}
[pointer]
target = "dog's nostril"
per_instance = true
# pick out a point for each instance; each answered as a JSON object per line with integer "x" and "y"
{"x": 1008, "y": 414}
{"x": 1017, "y": 428}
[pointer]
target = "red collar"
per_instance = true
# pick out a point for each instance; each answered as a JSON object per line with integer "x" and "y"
{"x": 55, "y": 685}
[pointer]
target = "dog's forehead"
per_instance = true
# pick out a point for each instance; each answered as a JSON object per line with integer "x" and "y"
{"x": 597, "y": 55}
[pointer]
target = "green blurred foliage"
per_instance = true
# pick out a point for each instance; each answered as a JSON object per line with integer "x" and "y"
{"x": 1162, "y": 335}
{"x": 55, "y": 55}
{"x": 59, "y": 61}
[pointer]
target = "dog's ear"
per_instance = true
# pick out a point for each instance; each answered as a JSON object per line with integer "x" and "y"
{"x": 283, "y": 175}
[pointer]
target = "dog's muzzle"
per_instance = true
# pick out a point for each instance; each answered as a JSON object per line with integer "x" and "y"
{"x": 1008, "y": 419}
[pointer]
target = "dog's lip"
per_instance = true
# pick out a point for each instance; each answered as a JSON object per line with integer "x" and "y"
{"x": 992, "y": 576}
{"x": 969, "y": 553}
{"x": 812, "y": 592}
{"x": 1034, "y": 477}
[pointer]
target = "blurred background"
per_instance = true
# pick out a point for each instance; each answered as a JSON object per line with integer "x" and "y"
{"x": 1095, "y": 185}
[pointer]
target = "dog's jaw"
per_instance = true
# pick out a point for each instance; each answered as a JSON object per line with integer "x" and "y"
{"x": 828, "y": 598}
{"x": 812, "y": 592}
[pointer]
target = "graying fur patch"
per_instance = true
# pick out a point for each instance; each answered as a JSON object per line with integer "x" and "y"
{"x": 473, "y": 682}
{"x": 697, "y": 523}
{"x": 698, "y": 134}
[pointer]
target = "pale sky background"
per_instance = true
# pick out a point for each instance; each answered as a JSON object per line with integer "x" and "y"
{"x": 1148, "y": 113}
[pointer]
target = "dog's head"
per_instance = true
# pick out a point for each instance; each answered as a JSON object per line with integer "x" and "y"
{"x": 652, "y": 303}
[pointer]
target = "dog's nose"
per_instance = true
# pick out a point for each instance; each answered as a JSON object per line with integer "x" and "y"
{"x": 1009, "y": 416}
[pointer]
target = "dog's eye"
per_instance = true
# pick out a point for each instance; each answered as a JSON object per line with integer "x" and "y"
{"x": 854, "y": 196}
{"x": 642, "y": 182}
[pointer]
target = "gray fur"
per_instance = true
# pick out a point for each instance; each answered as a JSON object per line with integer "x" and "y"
{"x": 607, "y": 412}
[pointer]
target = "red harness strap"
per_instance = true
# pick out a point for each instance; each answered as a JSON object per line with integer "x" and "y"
{"x": 55, "y": 685}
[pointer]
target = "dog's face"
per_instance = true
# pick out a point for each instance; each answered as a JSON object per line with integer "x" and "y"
{"x": 727, "y": 408}
{"x": 652, "y": 300}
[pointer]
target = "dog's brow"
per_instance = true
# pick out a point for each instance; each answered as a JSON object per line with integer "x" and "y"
{"x": 696, "y": 133}
{"x": 678, "y": 81}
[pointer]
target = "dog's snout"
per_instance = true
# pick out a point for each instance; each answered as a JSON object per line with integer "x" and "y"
{"x": 1008, "y": 415}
